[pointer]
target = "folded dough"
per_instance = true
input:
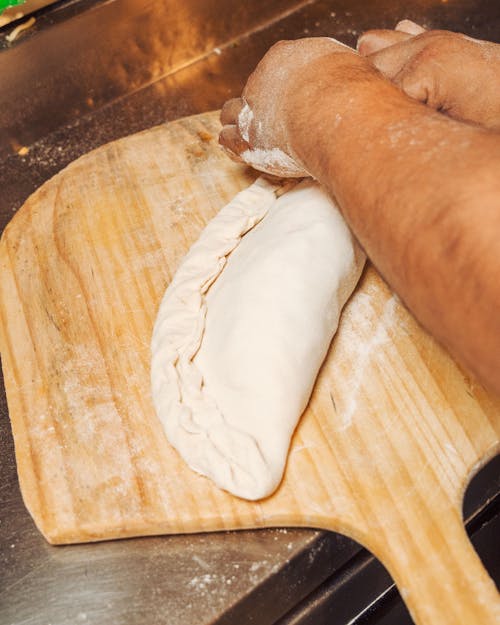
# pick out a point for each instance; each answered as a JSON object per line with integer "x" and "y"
{"x": 243, "y": 328}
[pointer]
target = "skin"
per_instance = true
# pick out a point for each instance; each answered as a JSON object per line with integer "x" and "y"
{"x": 450, "y": 72}
{"x": 418, "y": 183}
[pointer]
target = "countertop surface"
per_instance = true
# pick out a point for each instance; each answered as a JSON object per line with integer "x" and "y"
{"x": 88, "y": 72}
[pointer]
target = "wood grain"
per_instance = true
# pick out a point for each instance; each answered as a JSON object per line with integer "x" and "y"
{"x": 391, "y": 437}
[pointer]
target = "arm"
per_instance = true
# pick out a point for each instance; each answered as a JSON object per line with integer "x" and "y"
{"x": 420, "y": 191}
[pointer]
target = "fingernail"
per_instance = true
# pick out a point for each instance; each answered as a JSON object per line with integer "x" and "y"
{"x": 360, "y": 41}
{"x": 367, "y": 43}
{"x": 409, "y": 27}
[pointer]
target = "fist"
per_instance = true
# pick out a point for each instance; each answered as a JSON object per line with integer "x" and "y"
{"x": 257, "y": 128}
{"x": 450, "y": 72}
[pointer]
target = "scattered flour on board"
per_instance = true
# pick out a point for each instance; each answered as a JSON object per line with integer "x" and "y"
{"x": 360, "y": 311}
{"x": 148, "y": 260}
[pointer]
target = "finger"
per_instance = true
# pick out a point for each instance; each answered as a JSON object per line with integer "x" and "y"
{"x": 417, "y": 87}
{"x": 409, "y": 27}
{"x": 391, "y": 60}
{"x": 230, "y": 111}
{"x": 231, "y": 140}
{"x": 374, "y": 40}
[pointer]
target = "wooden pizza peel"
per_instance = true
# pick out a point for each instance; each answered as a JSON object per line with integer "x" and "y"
{"x": 393, "y": 433}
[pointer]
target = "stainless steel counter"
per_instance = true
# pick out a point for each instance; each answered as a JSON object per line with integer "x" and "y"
{"x": 88, "y": 72}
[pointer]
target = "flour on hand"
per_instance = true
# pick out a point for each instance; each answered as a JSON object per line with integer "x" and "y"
{"x": 274, "y": 161}
{"x": 245, "y": 119}
{"x": 271, "y": 160}
{"x": 243, "y": 328}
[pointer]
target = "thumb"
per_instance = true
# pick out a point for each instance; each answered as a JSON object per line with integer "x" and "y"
{"x": 374, "y": 40}
{"x": 391, "y": 60}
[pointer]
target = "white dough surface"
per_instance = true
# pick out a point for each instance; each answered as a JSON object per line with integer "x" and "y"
{"x": 238, "y": 341}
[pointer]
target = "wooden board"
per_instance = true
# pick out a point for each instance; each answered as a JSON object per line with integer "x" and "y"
{"x": 392, "y": 434}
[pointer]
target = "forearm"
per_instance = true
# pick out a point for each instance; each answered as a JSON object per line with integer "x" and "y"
{"x": 421, "y": 194}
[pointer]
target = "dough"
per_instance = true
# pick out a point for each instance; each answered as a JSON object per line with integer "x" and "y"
{"x": 237, "y": 345}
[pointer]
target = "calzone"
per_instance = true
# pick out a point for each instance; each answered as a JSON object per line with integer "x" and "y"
{"x": 243, "y": 328}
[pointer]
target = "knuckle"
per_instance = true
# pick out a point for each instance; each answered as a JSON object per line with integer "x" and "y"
{"x": 441, "y": 42}
{"x": 423, "y": 86}
{"x": 433, "y": 49}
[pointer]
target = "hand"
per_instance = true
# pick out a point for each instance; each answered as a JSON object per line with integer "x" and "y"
{"x": 257, "y": 126}
{"x": 448, "y": 71}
